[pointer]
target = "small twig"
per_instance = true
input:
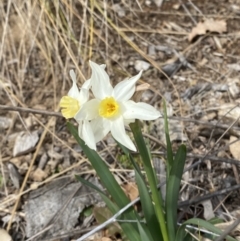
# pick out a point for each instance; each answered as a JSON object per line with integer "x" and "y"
{"x": 58, "y": 114}
{"x": 209, "y": 157}
{"x": 196, "y": 8}
{"x": 67, "y": 234}
{"x": 187, "y": 11}
{"x": 207, "y": 196}
{"x": 29, "y": 110}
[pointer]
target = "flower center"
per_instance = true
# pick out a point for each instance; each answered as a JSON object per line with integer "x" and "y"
{"x": 70, "y": 106}
{"x": 108, "y": 107}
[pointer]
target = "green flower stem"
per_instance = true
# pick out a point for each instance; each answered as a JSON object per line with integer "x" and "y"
{"x": 156, "y": 195}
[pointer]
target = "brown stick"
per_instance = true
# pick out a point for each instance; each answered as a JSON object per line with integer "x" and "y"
{"x": 58, "y": 114}
{"x": 29, "y": 110}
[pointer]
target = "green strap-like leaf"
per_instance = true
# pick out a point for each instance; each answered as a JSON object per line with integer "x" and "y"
{"x": 106, "y": 177}
{"x": 201, "y": 224}
{"x": 148, "y": 209}
{"x": 145, "y": 233}
{"x": 113, "y": 188}
{"x": 151, "y": 176}
{"x": 129, "y": 231}
{"x": 168, "y": 142}
{"x": 146, "y": 201}
{"x": 108, "y": 202}
{"x": 173, "y": 186}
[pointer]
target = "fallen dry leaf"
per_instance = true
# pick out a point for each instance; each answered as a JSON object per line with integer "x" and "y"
{"x": 224, "y": 226}
{"x": 218, "y": 26}
{"x": 208, "y": 209}
{"x": 131, "y": 190}
{"x": 45, "y": 202}
{"x": 25, "y": 142}
{"x": 105, "y": 239}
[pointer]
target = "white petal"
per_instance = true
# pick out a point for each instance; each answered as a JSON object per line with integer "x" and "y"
{"x": 100, "y": 127}
{"x": 83, "y": 96}
{"x": 140, "y": 110}
{"x": 82, "y": 99}
{"x": 128, "y": 121}
{"x": 74, "y": 91}
{"x": 103, "y": 66}
{"x": 88, "y": 136}
{"x": 80, "y": 125}
{"x": 125, "y": 89}
{"x": 101, "y": 86}
{"x": 89, "y": 110}
{"x": 87, "y": 84}
{"x": 73, "y": 75}
{"x": 119, "y": 133}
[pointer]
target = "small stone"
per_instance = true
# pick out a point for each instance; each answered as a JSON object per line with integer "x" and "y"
{"x": 14, "y": 175}
{"x": 25, "y": 142}
{"x": 4, "y": 235}
{"x": 158, "y": 2}
{"x": 141, "y": 65}
{"x": 152, "y": 51}
{"x": 5, "y": 122}
{"x": 43, "y": 161}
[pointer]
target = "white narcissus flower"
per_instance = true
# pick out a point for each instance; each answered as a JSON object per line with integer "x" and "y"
{"x": 111, "y": 109}
{"x": 74, "y": 100}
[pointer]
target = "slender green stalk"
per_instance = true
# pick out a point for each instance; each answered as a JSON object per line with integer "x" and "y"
{"x": 157, "y": 199}
{"x": 156, "y": 195}
{"x": 169, "y": 144}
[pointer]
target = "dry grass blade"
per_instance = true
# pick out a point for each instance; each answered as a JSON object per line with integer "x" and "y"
{"x": 228, "y": 230}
